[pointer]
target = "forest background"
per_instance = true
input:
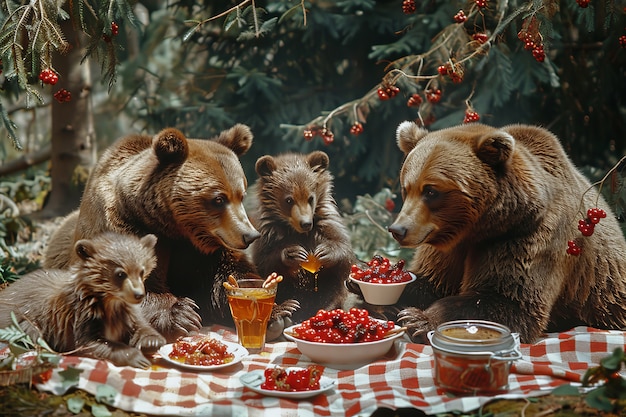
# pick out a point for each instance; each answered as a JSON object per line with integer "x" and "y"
{"x": 332, "y": 75}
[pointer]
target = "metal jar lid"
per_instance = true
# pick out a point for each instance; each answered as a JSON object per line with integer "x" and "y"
{"x": 475, "y": 337}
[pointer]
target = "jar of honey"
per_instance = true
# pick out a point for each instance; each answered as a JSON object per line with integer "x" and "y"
{"x": 473, "y": 356}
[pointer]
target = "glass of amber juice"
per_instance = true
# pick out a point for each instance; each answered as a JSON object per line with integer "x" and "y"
{"x": 251, "y": 306}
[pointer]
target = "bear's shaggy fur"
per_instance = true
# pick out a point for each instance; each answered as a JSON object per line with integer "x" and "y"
{"x": 490, "y": 212}
{"x": 94, "y": 307}
{"x": 297, "y": 216}
{"x": 189, "y": 193}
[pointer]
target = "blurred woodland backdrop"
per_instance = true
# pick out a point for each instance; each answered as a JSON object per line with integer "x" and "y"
{"x": 332, "y": 75}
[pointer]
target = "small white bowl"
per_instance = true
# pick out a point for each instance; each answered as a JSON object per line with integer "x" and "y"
{"x": 343, "y": 355}
{"x": 382, "y": 294}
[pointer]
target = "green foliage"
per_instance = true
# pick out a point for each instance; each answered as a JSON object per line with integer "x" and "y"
{"x": 367, "y": 223}
{"x": 293, "y": 65}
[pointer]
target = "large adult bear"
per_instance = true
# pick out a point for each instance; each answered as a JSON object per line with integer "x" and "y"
{"x": 490, "y": 212}
{"x": 189, "y": 193}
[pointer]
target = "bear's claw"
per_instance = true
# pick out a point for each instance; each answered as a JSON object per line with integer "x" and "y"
{"x": 415, "y": 321}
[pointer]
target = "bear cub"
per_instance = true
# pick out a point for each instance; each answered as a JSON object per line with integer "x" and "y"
{"x": 303, "y": 237}
{"x": 490, "y": 212}
{"x": 93, "y": 308}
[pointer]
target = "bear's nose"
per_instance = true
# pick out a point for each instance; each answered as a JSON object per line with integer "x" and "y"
{"x": 397, "y": 231}
{"x": 306, "y": 226}
{"x": 251, "y": 237}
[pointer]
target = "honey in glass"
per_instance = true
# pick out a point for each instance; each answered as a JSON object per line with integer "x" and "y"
{"x": 251, "y": 306}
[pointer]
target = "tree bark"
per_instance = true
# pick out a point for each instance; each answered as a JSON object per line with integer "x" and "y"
{"x": 73, "y": 135}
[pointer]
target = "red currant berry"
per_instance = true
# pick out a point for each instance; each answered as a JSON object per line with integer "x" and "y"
{"x": 481, "y": 3}
{"x": 539, "y": 54}
{"x": 460, "y": 17}
{"x": 382, "y": 94}
{"x": 115, "y": 29}
{"x": 573, "y": 248}
{"x": 456, "y": 77}
{"x": 433, "y": 95}
{"x": 408, "y": 6}
{"x": 480, "y": 37}
{"x": 442, "y": 70}
{"x": 392, "y": 91}
{"x": 327, "y": 136}
{"x": 308, "y": 134}
{"x": 356, "y": 129}
{"x": 622, "y": 41}
{"x": 414, "y": 101}
{"x": 583, "y": 3}
{"x": 471, "y": 116}
{"x": 62, "y": 96}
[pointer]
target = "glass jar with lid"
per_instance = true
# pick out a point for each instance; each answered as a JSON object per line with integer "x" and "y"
{"x": 473, "y": 356}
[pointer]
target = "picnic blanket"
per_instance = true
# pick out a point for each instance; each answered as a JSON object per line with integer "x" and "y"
{"x": 403, "y": 378}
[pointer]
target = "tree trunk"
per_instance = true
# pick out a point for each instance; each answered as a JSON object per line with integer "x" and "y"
{"x": 73, "y": 136}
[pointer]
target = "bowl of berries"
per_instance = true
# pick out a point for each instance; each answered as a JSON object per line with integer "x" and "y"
{"x": 341, "y": 339}
{"x": 380, "y": 281}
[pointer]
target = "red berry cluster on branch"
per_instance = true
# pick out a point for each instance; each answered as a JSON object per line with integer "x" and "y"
{"x": 433, "y": 95}
{"x": 408, "y": 6}
{"x": 532, "y": 42}
{"x": 471, "y": 116}
{"x": 481, "y": 4}
{"x": 460, "y": 17}
{"x": 115, "y": 30}
{"x": 387, "y": 92}
{"x": 480, "y": 37}
{"x": 326, "y": 134}
{"x": 573, "y": 248}
{"x": 622, "y": 41}
{"x": 356, "y": 128}
{"x": 453, "y": 70}
{"x": 63, "y": 96}
{"x": 48, "y": 76}
{"x": 586, "y": 227}
{"x": 414, "y": 101}
{"x": 583, "y": 3}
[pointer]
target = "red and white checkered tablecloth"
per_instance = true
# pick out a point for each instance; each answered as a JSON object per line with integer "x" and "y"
{"x": 403, "y": 378}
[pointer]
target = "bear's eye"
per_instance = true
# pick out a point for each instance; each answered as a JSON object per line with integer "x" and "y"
{"x": 219, "y": 201}
{"x": 120, "y": 274}
{"x": 311, "y": 201}
{"x": 289, "y": 201}
{"x": 430, "y": 194}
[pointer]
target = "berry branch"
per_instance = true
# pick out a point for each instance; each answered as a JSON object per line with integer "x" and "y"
{"x": 454, "y": 37}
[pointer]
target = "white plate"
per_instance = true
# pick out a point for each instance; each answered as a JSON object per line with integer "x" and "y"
{"x": 254, "y": 379}
{"x": 236, "y": 349}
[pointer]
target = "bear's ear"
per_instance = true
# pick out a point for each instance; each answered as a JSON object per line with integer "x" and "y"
{"x": 495, "y": 148}
{"x": 85, "y": 249}
{"x": 318, "y": 161}
{"x": 238, "y": 138}
{"x": 170, "y": 146}
{"x": 149, "y": 241}
{"x": 265, "y": 165}
{"x": 407, "y": 136}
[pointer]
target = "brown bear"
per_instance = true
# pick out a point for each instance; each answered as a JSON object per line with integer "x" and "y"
{"x": 93, "y": 308}
{"x": 189, "y": 193}
{"x": 298, "y": 220}
{"x": 490, "y": 212}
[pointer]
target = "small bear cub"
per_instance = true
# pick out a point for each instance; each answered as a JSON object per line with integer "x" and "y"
{"x": 300, "y": 224}
{"x": 92, "y": 309}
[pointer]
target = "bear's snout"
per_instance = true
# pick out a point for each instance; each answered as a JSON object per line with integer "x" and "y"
{"x": 397, "y": 231}
{"x": 250, "y": 237}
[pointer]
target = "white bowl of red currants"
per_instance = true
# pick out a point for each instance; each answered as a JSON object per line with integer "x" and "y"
{"x": 380, "y": 281}
{"x": 341, "y": 339}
